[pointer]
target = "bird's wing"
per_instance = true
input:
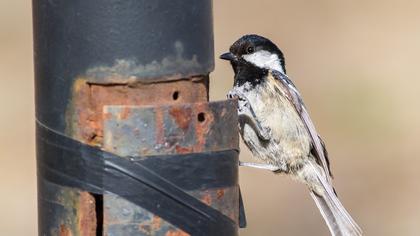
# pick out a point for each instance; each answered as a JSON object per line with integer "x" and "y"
{"x": 318, "y": 146}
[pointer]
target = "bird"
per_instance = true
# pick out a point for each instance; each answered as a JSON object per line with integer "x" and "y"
{"x": 275, "y": 125}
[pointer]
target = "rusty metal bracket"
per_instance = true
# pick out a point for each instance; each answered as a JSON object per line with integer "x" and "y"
{"x": 172, "y": 129}
{"x": 195, "y": 136}
{"x": 64, "y": 161}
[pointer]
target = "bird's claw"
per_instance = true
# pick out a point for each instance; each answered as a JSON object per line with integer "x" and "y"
{"x": 265, "y": 133}
{"x": 232, "y": 94}
{"x": 245, "y": 109}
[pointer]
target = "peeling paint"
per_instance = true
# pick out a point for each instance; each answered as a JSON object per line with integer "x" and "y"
{"x": 170, "y": 129}
{"x": 130, "y": 71}
{"x": 220, "y": 193}
{"x": 87, "y": 223}
{"x": 64, "y": 231}
{"x": 206, "y": 198}
{"x": 181, "y": 116}
{"x": 85, "y": 117}
{"x": 171, "y": 123}
{"x": 176, "y": 233}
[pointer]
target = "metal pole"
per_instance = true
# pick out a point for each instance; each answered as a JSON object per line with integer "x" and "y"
{"x": 128, "y": 77}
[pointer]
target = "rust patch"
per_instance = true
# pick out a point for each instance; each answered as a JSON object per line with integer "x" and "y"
{"x": 183, "y": 150}
{"x": 181, "y": 116}
{"x": 145, "y": 228}
{"x": 64, "y": 231}
{"x": 220, "y": 193}
{"x": 85, "y": 116}
{"x": 221, "y": 199}
{"x": 176, "y": 233}
{"x": 206, "y": 199}
{"x": 86, "y": 214}
{"x": 159, "y": 119}
{"x": 106, "y": 116}
{"x": 125, "y": 113}
{"x": 156, "y": 222}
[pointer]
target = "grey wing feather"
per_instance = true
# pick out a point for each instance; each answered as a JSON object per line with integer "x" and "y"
{"x": 318, "y": 144}
{"x": 325, "y": 154}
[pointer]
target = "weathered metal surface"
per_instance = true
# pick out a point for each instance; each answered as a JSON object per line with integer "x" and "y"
{"x": 109, "y": 41}
{"x": 85, "y": 124}
{"x": 94, "y": 53}
{"x": 70, "y": 212}
{"x": 170, "y": 129}
{"x": 123, "y": 217}
{"x": 84, "y": 116}
{"x": 174, "y": 129}
{"x": 225, "y": 200}
{"x": 85, "y": 119}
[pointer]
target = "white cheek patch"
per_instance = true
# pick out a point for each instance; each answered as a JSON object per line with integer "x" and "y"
{"x": 264, "y": 59}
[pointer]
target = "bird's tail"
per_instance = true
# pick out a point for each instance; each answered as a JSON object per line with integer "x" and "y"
{"x": 337, "y": 218}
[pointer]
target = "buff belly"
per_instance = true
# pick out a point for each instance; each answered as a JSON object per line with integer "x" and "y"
{"x": 290, "y": 143}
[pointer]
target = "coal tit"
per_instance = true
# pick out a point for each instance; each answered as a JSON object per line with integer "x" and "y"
{"x": 276, "y": 127}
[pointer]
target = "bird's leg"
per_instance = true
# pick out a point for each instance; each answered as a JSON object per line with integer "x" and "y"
{"x": 261, "y": 166}
{"x": 262, "y": 133}
{"x": 246, "y": 114}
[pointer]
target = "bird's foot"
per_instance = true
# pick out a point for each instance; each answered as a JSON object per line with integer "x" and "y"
{"x": 269, "y": 167}
{"x": 264, "y": 132}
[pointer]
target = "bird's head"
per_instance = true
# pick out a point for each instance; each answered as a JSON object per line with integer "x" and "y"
{"x": 255, "y": 51}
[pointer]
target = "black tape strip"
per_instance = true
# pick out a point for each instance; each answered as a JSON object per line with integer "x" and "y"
{"x": 67, "y": 162}
{"x": 196, "y": 171}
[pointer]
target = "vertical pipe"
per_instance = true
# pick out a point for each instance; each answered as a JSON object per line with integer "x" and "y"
{"x": 90, "y": 54}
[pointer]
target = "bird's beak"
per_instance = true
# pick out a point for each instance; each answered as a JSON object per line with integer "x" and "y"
{"x": 228, "y": 56}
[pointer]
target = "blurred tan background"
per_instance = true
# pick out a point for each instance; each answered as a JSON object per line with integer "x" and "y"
{"x": 356, "y": 64}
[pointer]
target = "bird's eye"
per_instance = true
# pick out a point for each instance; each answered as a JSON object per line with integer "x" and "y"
{"x": 250, "y": 49}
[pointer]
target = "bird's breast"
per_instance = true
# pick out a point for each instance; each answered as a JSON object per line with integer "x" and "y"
{"x": 290, "y": 139}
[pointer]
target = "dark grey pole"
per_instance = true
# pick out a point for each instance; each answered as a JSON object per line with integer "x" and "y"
{"x": 129, "y": 77}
